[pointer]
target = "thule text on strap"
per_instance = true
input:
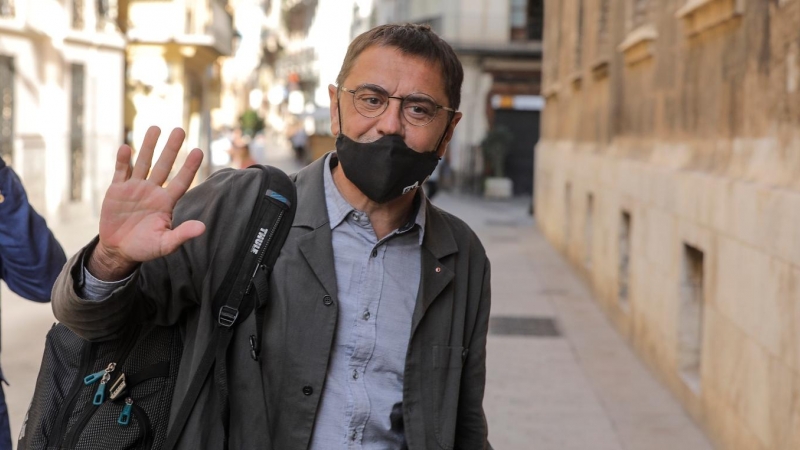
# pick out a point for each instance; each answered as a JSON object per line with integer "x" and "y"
{"x": 259, "y": 240}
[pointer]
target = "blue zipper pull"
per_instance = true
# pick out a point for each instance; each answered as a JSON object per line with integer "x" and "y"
{"x": 100, "y": 395}
{"x": 91, "y": 379}
{"x": 125, "y": 415}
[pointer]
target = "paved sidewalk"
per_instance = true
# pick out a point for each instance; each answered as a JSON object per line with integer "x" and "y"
{"x": 584, "y": 390}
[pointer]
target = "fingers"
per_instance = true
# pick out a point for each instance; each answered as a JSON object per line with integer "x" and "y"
{"x": 180, "y": 184}
{"x": 122, "y": 168}
{"x": 185, "y": 231}
{"x": 145, "y": 158}
{"x": 164, "y": 164}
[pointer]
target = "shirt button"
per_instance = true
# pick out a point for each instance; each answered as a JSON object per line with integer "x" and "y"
{"x": 327, "y": 300}
{"x": 307, "y": 390}
{"x": 366, "y": 315}
{"x": 374, "y": 252}
{"x": 355, "y": 374}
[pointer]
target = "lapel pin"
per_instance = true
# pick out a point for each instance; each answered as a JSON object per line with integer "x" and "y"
{"x": 438, "y": 269}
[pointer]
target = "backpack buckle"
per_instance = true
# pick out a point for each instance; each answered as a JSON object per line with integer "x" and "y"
{"x": 227, "y": 316}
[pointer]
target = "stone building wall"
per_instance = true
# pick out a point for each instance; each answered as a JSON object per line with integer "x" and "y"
{"x": 55, "y": 117}
{"x": 669, "y": 174}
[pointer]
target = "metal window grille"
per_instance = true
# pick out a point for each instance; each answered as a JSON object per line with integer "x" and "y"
{"x": 526, "y": 20}
{"x": 535, "y": 20}
{"x": 7, "y": 8}
{"x": 640, "y": 10}
{"x": 106, "y": 13}
{"x": 602, "y": 26}
{"x": 77, "y": 14}
{"x": 76, "y": 137}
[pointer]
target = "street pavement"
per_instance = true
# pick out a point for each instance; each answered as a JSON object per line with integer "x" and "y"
{"x": 580, "y": 389}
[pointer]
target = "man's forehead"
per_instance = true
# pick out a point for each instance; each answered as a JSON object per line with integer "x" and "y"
{"x": 396, "y": 71}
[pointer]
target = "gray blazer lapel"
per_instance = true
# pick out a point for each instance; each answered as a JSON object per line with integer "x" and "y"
{"x": 316, "y": 248}
{"x": 312, "y": 213}
{"x": 435, "y": 273}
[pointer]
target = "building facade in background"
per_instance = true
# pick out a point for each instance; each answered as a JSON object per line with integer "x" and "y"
{"x": 667, "y": 172}
{"x": 249, "y": 69}
{"x": 173, "y": 67}
{"x": 61, "y": 87}
{"x": 315, "y": 36}
{"x": 500, "y": 47}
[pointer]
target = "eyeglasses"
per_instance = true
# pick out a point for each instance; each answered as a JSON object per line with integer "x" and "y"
{"x": 371, "y": 101}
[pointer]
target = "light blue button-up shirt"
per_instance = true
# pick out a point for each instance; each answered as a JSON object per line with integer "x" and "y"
{"x": 361, "y": 405}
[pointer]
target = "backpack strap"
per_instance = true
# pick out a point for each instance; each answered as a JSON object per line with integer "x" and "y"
{"x": 235, "y": 299}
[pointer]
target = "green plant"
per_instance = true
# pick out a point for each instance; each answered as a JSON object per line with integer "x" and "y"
{"x": 251, "y": 122}
{"x": 495, "y": 146}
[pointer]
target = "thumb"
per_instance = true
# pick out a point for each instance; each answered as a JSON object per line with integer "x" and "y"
{"x": 175, "y": 238}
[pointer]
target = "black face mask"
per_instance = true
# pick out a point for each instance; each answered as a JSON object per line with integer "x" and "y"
{"x": 385, "y": 169}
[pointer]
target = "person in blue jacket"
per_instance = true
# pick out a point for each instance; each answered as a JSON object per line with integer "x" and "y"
{"x": 30, "y": 258}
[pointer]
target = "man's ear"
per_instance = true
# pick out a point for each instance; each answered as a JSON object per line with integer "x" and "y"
{"x": 334, "y": 109}
{"x": 448, "y": 134}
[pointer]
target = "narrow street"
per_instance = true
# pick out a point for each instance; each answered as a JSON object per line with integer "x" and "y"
{"x": 559, "y": 377}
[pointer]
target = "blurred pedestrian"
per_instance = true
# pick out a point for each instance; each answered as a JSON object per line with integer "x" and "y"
{"x": 30, "y": 258}
{"x": 432, "y": 185}
{"x": 240, "y": 155}
{"x": 220, "y": 149}
{"x": 299, "y": 140}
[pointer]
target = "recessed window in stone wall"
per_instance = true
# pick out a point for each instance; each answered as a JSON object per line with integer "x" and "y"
{"x": 623, "y": 288}
{"x": 589, "y": 231}
{"x": 600, "y": 64}
{"x": 638, "y": 45}
{"x": 702, "y": 15}
{"x": 7, "y": 8}
{"x": 603, "y": 18}
{"x": 579, "y": 38}
{"x": 77, "y": 14}
{"x": 690, "y": 317}
{"x": 639, "y": 12}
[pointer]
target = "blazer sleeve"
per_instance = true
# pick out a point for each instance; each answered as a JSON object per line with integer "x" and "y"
{"x": 162, "y": 290}
{"x": 30, "y": 256}
{"x": 472, "y": 430}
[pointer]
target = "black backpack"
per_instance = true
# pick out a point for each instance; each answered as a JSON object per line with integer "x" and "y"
{"x": 105, "y": 395}
{"x": 117, "y": 394}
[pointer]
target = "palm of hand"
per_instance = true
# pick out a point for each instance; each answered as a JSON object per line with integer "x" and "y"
{"x": 135, "y": 217}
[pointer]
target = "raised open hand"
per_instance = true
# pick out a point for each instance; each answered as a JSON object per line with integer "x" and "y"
{"x": 136, "y": 217}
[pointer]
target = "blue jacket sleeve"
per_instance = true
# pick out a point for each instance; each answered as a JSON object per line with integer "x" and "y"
{"x": 30, "y": 256}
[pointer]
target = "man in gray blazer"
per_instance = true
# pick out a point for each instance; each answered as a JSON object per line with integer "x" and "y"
{"x": 375, "y": 335}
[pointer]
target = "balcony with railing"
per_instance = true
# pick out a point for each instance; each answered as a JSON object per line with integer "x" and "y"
{"x": 199, "y": 23}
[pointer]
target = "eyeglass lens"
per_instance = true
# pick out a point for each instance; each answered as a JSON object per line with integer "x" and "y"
{"x": 372, "y": 101}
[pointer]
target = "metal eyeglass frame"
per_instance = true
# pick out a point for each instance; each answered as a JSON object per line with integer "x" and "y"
{"x": 402, "y": 99}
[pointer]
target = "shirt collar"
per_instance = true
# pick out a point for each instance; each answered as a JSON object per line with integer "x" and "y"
{"x": 339, "y": 208}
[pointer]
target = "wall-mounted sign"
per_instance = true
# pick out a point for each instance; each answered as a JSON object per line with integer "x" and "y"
{"x": 518, "y": 102}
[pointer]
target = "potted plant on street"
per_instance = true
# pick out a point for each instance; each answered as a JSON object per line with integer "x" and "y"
{"x": 251, "y": 122}
{"x": 495, "y": 146}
